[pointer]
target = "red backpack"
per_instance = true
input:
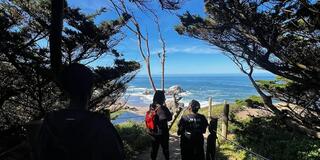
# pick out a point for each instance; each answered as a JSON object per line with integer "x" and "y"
{"x": 150, "y": 120}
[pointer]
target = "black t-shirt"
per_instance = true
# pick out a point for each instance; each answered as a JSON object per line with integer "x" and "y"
{"x": 78, "y": 135}
{"x": 195, "y": 124}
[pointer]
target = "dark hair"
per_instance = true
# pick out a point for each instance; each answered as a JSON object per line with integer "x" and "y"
{"x": 195, "y": 106}
{"x": 159, "y": 97}
{"x": 77, "y": 80}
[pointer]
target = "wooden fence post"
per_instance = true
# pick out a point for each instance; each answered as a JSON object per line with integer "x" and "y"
{"x": 210, "y": 107}
{"x": 225, "y": 120}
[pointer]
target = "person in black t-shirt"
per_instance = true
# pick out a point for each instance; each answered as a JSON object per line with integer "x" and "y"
{"x": 191, "y": 127}
{"x": 76, "y": 133}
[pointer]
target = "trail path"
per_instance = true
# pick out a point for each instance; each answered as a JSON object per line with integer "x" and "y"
{"x": 174, "y": 143}
{"x": 174, "y": 147}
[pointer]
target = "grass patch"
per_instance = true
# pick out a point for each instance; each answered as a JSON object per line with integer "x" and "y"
{"x": 228, "y": 151}
{"x": 135, "y": 138}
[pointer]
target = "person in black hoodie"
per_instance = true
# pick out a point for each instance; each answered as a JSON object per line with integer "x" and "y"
{"x": 76, "y": 133}
{"x": 161, "y": 137}
{"x": 191, "y": 127}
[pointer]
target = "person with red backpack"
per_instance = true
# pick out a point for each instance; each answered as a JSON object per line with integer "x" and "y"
{"x": 157, "y": 124}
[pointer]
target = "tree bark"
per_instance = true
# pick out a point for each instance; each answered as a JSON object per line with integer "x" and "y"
{"x": 163, "y": 63}
{"x": 288, "y": 121}
{"x": 266, "y": 99}
{"x": 150, "y": 76}
{"x": 55, "y": 38}
{"x": 303, "y": 129}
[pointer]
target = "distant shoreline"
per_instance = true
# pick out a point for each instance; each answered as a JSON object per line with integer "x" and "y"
{"x": 206, "y": 74}
{"x": 220, "y": 87}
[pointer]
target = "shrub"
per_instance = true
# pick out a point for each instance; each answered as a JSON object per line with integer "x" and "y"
{"x": 240, "y": 102}
{"x": 135, "y": 138}
{"x": 271, "y": 138}
{"x": 251, "y": 101}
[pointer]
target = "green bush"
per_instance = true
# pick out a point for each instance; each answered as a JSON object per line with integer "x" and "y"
{"x": 272, "y": 139}
{"x": 240, "y": 102}
{"x": 256, "y": 100}
{"x": 250, "y": 101}
{"x": 135, "y": 138}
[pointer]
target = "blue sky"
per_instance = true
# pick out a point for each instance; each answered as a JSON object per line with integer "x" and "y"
{"x": 184, "y": 55}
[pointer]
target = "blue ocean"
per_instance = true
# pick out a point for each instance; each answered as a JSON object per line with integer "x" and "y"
{"x": 220, "y": 87}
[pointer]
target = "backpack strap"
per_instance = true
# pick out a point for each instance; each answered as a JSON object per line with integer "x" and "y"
{"x": 156, "y": 108}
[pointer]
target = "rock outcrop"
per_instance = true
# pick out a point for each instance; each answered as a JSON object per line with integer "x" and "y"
{"x": 176, "y": 89}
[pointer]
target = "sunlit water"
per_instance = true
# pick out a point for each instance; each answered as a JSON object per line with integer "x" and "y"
{"x": 220, "y": 87}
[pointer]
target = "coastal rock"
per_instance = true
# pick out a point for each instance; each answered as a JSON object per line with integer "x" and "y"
{"x": 147, "y": 92}
{"x": 133, "y": 109}
{"x": 176, "y": 89}
{"x": 130, "y": 108}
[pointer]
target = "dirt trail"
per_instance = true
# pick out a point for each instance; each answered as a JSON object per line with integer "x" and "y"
{"x": 174, "y": 147}
{"x": 174, "y": 143}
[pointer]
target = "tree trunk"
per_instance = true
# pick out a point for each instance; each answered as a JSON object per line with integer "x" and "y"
{"x": 266, "y": 99}
{"x": 303, "y": 129}
{"x": 289, "y": 121}
{"x": 150, "y": 76}
{"x": 162, "y": 80}
{"x": 55, "y": 38}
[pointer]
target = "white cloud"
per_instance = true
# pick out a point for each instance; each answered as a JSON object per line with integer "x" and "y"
{"x": 88, "y": 5}
{"x": 190, "y": 50}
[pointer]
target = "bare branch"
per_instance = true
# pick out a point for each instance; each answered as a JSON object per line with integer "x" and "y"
{"x": 140, "y": 39}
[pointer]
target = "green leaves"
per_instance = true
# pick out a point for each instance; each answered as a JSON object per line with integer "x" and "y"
{"x": 281, "y": 37}
{"x": 24, "y": 53}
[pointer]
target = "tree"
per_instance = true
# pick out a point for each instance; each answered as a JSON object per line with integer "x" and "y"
{"x": 279, "y": 36}
{"x": 29, "y": 89}
{"x": 143, "y": 37}
{"x": 143, "y": 43}
{"x": 165, "y": 4}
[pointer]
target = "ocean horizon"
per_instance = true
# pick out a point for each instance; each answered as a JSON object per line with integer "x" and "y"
{"x": 207, "y": 74}
{"x": 220, "y": 87}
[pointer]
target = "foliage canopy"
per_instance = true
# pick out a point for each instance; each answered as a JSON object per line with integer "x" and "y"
{"x": 28, "y": 88}
{"x": 279, "y": 36}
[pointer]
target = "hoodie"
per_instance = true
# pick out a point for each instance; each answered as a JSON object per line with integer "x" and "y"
{"x": 78, "y": 135}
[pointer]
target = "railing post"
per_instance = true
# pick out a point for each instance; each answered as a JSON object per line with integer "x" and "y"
{"x": 210, "y": 107}
{"x": 225, "y": 120}
{"x": 211, "y": 140}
